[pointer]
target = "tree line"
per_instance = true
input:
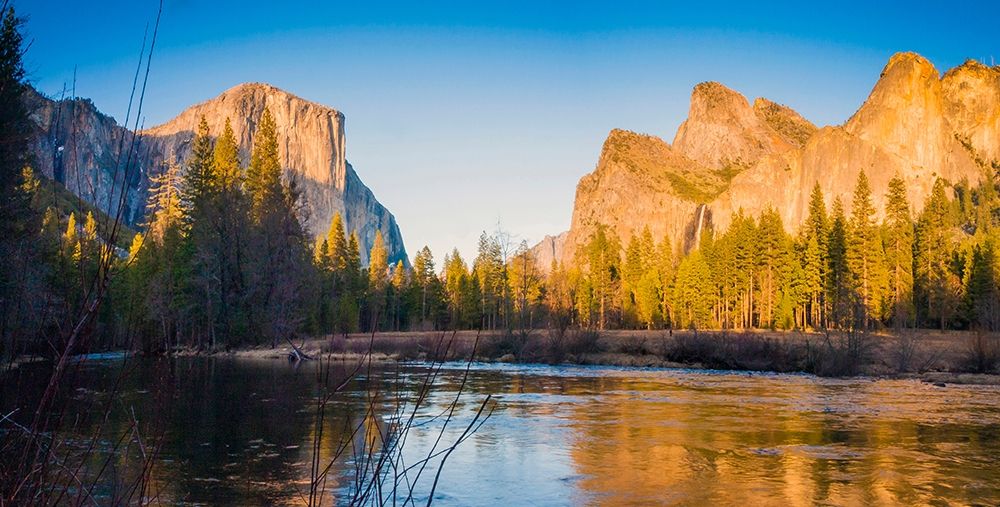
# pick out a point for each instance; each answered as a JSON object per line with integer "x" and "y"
{"x": 935, "y": 269}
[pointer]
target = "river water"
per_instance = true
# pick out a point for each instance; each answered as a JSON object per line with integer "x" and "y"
{"x": 242, "y": 432}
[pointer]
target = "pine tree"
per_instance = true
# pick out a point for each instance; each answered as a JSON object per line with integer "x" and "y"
{"x": 196, "y": 187}
{"x": 399, "y": 283}
{"x": 263, "y": 181}
{"x": 336, "y": 240}
{"x": 936, "y": 285}
{"x": 865, "y": 254}
{"x": 603, "y": 269}
{"x": 226, "y": 172}
{"x": 899, "y": 253}
{"x": 70, "y": 239}
{"x": 692, "y": 292}
{"x": 19, "y": 255}
{"x": 839, "y": 288}
{"x": 15, "y": 129}
{"x": 772, "y": 247}
{"x": 229, "y": 216}
{"x": 489, "y": 268}
{"x": 812, "y": 277}
{"x": 350, "y": 288}
{"x": 664, "y": 261}
{"x": 164, "y": 203}
{"x": 817, "y": 229}
{"x": 982, "y": 294}
{"x": 456, "y": 284}
{"x": 742, "y": 235}
{"x": 632, "y": 271}
{"x": 423, "y": 277}
{"x": 378, "y": 263}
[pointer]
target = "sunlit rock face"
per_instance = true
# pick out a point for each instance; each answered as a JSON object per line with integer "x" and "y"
{"x": 549, "y": 249}
{"x": 731, "y": 156}
{"x": 722, "y": 129}
{"x": 311, "y": 145}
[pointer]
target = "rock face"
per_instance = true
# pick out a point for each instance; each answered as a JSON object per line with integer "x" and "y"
{"x": 730, "y": 156}
{"x": 311, "y": 145}
{"x": 79, "y": 147}
{"x": 549, "y": 249}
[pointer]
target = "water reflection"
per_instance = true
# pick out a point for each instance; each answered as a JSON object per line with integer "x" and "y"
{"x": 239, "y": 432}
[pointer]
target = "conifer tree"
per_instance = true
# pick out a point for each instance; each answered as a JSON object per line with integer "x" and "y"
{"x": 665, "y": 274}
{"x": 772, "y": 247}
{"x": 865, "y": 255}
{"x": 982, "y": 294}
{"x": 399, "y": 283}
{"x": 456, "y": 285}
{"x": 817, "y": 229}
{"x": 229, "y": 216}
{"x": 745, "y": 251}
{"x": 936, "y": 284}
{"x": 839, "y": 287}
{"x": 378, "y": 262}
{"x": 351, "y": 287}
{"x": 603, "y": 270}
{"x": 489, "y": 268}
{"x": 693, "y": 292}
{"x": 196, "y": 185}
{"x": 15, "y": 129}
{"x": 226, "y": 172}
{"x": 336, "y": 239}
{"x": 812, "y": 277}
{"x": 423, "y": 278}
{"x": 263, "y": 181}
{"x": 899, "y": 253}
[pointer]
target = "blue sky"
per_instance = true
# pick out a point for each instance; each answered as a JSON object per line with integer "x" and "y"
{"x": 460, "y": 115}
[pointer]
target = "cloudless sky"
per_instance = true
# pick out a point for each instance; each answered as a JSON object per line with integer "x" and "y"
{"x": 462, "y": 115}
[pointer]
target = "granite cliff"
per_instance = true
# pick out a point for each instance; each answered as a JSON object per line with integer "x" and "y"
{"x": 78, "y": 146}
{"x": 729, "y": 155}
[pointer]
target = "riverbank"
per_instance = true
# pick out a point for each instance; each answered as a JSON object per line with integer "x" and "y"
{"x": 931, "y": 356}
{"x": 950, "y": 357}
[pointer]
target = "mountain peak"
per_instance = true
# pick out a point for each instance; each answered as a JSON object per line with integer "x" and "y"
{"x": 906, "y": 97}
{"x": 908, "y": 61}
{"x": 722, "y": 130}
{"x": 311, "y": 146}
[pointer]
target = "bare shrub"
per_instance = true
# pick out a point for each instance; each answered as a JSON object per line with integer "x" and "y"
{"x": 905, "y": 351}
{"x": 982, "y": 353}
{"x": 633, "y": 345}
{"x": 842, "y": 355}
{"x": 583, "y": 341}
{"x": 692, "y": 348}
{"x": 512, "y": 343}
{"x": 750, "y": 351}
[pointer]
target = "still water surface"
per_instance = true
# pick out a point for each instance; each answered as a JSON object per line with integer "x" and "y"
{"x": 239, "y": 432}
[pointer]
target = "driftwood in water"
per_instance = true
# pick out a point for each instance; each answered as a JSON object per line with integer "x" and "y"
{"x": 296, "y": 353}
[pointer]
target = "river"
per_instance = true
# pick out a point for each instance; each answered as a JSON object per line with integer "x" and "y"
{"x": 242, "y": 432}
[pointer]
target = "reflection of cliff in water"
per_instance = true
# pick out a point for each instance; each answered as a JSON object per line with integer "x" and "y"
{"x": 776, "y": 441}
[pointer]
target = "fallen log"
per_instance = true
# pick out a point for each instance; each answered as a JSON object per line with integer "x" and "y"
{"x": 297, "y": 354}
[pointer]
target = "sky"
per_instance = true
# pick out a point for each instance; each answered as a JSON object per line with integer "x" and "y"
{"x": 462, "y": 117}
